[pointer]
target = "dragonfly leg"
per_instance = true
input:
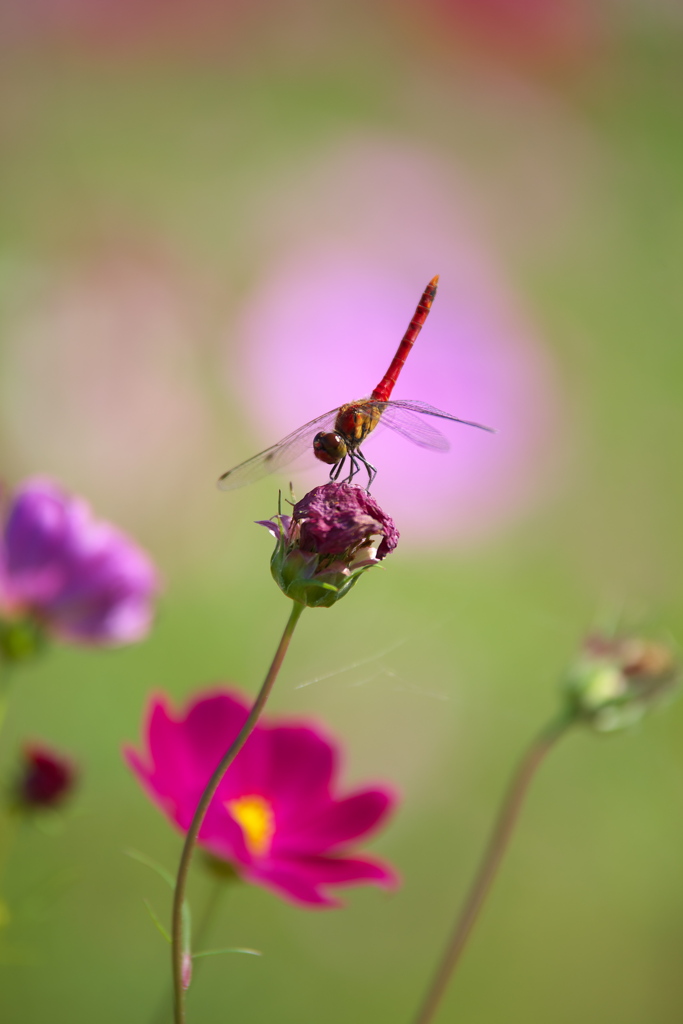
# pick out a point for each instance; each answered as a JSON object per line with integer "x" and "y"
{"x": 337, "y": 468}
{"x": 372, "y": 470}
{"x": 355, "y": 467}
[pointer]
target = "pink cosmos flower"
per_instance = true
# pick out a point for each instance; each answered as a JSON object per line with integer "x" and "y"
{"x": 82, "y": 578}
{"x": 276, "y": 816}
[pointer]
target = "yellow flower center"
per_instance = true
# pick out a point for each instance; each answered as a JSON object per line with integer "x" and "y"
{"x": 257, "y": 821}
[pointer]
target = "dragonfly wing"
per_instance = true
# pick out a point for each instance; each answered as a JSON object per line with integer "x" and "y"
{"x": 429, "y": 410}
{"x": 404, "y": 422}
{"x": 279, "y": 455}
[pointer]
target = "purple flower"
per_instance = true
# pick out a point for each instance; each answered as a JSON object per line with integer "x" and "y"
{"x": 276, "y": 816}
{"x": 46, "y": 777}
{"x": 82, "y": 578}
{"x": 334, "y": 534}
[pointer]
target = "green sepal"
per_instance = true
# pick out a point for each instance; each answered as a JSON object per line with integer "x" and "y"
{"x": 299, "y": 575}
{"x": 20, "y": 640}
{"x": 219, "y": 869}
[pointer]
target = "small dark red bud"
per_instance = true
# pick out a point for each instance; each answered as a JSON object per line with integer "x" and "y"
{"x": 46, "y": 777}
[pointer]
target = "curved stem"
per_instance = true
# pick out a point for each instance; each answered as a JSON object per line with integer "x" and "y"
{"x": 177, "y": 951}
{"x": 165, "y": 1010}
{"x": 490, "y": 862}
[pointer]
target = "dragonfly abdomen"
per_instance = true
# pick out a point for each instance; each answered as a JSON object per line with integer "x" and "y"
{"x": 383, "y": 390}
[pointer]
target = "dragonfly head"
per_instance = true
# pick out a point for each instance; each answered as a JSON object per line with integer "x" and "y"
{"x": 330, "y": 448}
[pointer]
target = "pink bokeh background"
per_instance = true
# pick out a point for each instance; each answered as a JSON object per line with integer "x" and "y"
{"x": 101, "y": 385}
{"x": 324, "y": 319}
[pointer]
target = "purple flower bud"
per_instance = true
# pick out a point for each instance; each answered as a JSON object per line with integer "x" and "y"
{"x": 46, "y": 777}
{"x": 341, "y": 519}
{"x": 615, "y": 680}
{"x": 81, "y": 578}
{"x": 335, "y": 533}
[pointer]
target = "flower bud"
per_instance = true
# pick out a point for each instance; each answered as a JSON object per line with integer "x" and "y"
{"x": 616, "y": 680}
{"x": 334, "y": 534}
{"x": 45, "y": 778}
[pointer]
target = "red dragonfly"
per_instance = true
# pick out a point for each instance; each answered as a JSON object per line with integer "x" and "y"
{"x": 338, "y": 434}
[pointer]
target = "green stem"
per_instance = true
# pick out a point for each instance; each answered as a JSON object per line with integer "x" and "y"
{"x": 211, "y": 906}
{"x": 177, "y": 950}
{"x": 490, "y": 862}
{"x": 4, "y": 702}
{"x": 4, "y": 691}
{"x": 165, "y": 1010}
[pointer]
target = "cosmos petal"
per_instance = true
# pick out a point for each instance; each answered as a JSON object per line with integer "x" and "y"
{"x": 342, "y": 821}
{"x": 285, "y": 767}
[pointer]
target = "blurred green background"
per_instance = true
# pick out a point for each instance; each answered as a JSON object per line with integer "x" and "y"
{"x": 151, "y": 156}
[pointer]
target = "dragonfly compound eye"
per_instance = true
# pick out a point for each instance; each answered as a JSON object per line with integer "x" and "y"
{"x": 330, "y": 448}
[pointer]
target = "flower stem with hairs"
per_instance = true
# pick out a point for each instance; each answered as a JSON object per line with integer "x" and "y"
{"x": 490, "y": 862}
{"x": 180, "y": 955}
{"x": 213, "y": 901}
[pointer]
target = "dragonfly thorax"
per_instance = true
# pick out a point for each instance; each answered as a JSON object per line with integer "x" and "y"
{"x": 354, "y": 422}
{"x": 330, "y": 448}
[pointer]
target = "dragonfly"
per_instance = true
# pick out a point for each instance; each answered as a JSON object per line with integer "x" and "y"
{"x": 337, "y": 435}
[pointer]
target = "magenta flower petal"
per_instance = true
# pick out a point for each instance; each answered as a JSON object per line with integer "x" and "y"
{"x": 211, "y": 725}
{"x": 167, "y": 774}
{"x": 301, "y": 769}
{"x": 276, "y": 812}
{"x": 84, "y": 579}
{"x": 307, "y": 878}
{"x": 298, "y": 886}
{"x": 223, "y": 836}
{"x": 184, "y": 753}
{"x": 341, "y": 821}
{"x": 345, "y": 870}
